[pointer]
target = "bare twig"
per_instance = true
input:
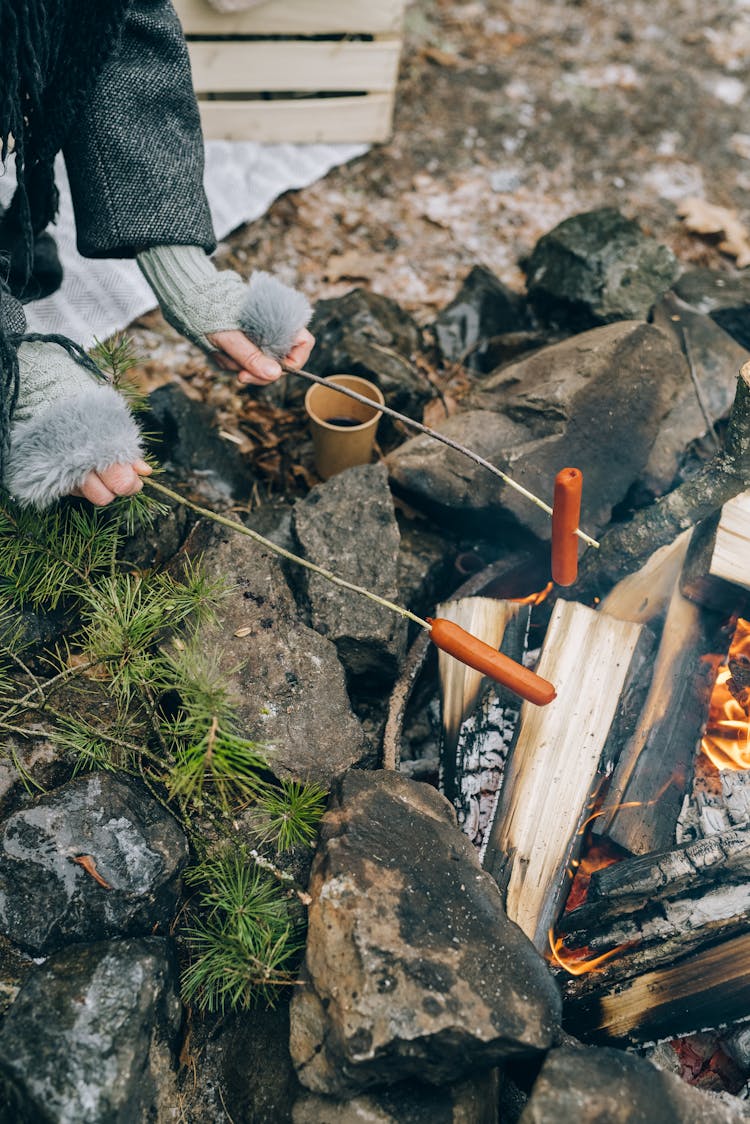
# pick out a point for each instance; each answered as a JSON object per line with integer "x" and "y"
{"x": 241, "y": 529}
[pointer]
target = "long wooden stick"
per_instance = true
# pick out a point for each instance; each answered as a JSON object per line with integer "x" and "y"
{"x": 438, "y": 437}
{"x": 241, "y": 529}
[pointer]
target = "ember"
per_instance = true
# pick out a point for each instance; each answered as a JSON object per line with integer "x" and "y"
{"x": 727, "y": 739}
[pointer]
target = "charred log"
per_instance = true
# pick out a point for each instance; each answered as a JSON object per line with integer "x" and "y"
{"x": 706, "y": 989}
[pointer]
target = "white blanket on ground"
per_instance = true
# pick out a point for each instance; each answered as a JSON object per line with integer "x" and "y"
{"x": 242, "y": 179}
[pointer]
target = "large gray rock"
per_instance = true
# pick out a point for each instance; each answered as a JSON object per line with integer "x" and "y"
{"x": 591, "y": 1086}
{"x": 716, "y": 359}
{"x": 412, "y": 967}
{"x": 598, "y": 267}
{"x": 89, "y": 1038}
{"x": 595, "y": 402}
{"x": 473, "y": 1101}
{"x": 133, "y": 849}
{"x": 186, "y": 436}
{"x": 348, "y": 526}
{"x": 285, "y": 679}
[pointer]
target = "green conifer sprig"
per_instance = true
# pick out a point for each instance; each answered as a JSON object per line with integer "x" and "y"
{"x": 289, "y": 815}
{"x": 246, "y": 943}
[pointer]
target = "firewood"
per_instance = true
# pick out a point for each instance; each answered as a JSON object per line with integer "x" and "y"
{"x": 553, "y": 768}
{"x": 717, "y": 568}
{"x": 683, "y": 898}
{"x": 479, "y": 726}
{"x": 625, "y": 547}
{"x": 644, "y": 596}
{"x": 709, "y": 988}
{"x": 655, "y": 767}
{"x": 488, "y": 620}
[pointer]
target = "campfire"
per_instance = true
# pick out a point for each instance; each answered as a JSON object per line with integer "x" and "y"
{"x": 616, "y": 820}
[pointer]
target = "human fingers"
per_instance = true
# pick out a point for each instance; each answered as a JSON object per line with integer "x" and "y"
{"x": 95, "y": 491}
{"x": 256, "y": 367}
{"x": 143, "y": 468}
{"x": 122, "y": 479}
{"x": 300, "y": 351}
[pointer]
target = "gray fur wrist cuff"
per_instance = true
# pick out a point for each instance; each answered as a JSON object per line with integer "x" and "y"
{"x": 198, "y": 300}
{"x": 53, "y": 452}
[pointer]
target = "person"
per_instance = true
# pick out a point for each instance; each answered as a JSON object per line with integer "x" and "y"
{"x": 109, "y": 86}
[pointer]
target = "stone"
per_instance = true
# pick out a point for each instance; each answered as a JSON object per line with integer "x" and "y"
{"x": 366, "y": 334}
{"x": 348, "y": 526}
{"x": 187, "y": 441}
{"x": 595, "y": 268}
{"x": 589, "y": 1086}
{"x": 133, "y": 851}
{"x": 89, "y": 1038}
{"x": 412, "y": 968}
{"x": 284, "y": 679}
{"x": 28, "y": 765}
{"x": 716, "y": 359}
{"x": 482, "y": 309}
{"x": 725, "y": 297}
{"x": 425, "y": 565}
{"x": 243, "y": 1072}
{"x": 594, "y": 402}
{"x": 473, "y": 1101}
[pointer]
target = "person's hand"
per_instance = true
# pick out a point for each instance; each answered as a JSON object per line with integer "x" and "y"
{"x": 235, "y": 352}
{"x": 100, "y": 488}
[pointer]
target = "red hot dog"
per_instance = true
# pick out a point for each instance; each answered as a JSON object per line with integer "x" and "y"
{"x": 566, "y": 512}
{"x": 457, "y": 642}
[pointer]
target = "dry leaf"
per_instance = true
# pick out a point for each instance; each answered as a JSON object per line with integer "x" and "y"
{"x": 707, "y": 218}
{"x": 243, "y": 631}
{"x": 442, "y": 58}
{"x": 350, "y": 265}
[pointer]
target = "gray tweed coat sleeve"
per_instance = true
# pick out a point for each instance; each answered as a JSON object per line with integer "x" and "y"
{"x": 135, "y": 156}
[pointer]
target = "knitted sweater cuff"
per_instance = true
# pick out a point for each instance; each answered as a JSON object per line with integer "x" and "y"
{"x": 196, "y": 298}
{"x": 199, "y": 300}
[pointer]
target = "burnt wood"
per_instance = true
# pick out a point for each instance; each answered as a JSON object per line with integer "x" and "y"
{"x": 706, "y": 989}
{"x": 655, "y": 768}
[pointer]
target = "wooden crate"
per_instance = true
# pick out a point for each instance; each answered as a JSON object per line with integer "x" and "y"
{"x": 351, "y": 65}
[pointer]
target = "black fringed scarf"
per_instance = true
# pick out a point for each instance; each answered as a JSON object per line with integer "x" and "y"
{"x": 51, "y": 53}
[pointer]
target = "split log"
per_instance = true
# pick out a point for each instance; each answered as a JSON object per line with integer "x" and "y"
{"x": 499, "y": 579}
{"x": 625, "y": 547}
{"x": 655, "y": 768}
{"x": 554, "y": 764}
{"x": 644, "y": 595}
{"x": 708, "y": 989}
{"x": 717, "y": 569}
{"x": 731, "y": 557}
{"x": 504, "y": 626}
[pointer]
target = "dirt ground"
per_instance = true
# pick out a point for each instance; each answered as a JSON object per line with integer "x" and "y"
{"x": 511, "y": 116}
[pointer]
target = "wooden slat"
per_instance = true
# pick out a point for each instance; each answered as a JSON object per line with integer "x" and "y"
{"x": 325, "y": 120}
{"x": 334, "y": 65}
{"x": 731, "y": 556}
{"x": 294, "y": 17}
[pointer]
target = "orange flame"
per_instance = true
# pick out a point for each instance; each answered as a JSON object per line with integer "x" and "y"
{"x": 573, "y": 962}
{"x": 535, "y": 598}
{"x": 726, "y": 742}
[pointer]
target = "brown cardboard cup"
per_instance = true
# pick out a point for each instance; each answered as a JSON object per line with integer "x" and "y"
{"x": 340, "y": 446}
